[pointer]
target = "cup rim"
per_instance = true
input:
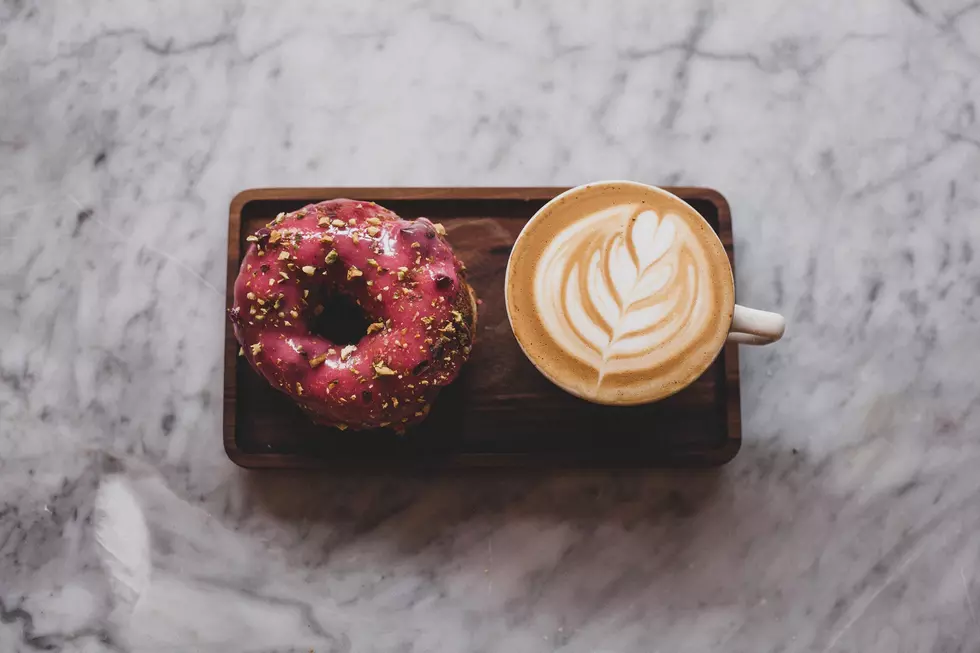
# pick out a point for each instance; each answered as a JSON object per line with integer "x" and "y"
{"x": 580, "y": 188}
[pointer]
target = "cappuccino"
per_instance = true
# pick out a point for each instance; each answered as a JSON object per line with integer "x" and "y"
{"x": 620, "y": 293}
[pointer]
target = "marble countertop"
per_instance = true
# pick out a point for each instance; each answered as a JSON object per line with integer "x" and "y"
{"x": 845, "y": 136}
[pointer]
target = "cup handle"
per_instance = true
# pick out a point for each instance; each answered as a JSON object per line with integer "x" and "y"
{"x": 754, "y": 327}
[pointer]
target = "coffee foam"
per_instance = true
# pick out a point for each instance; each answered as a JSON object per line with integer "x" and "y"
{"x": 620, "y": 294}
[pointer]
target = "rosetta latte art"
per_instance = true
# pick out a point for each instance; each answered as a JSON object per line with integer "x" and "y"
{"x": 624, "y": 290}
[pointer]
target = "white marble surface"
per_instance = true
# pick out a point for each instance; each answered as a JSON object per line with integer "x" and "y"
{"x": 845, "y": 136}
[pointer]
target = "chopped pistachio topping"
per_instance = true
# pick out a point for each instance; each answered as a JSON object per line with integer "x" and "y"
{"x": 347, "y": 351}
{"x": 373, "y": 231}
{"x": 283, "y": 255}
{"x": 353, "y": 272}
{"x": 323, "y": 222}
{"x": 373, "y": 221}
{"x": 318, "y": 360}
{"x": 252, "y": 239}
{"x": 299, "y": 388}
{"x": 383, "y": 370}
{"x": 283, "y": 275}
{"x": 375, "y": 326}
{"x": 372, "y": 262}
{"x": 256, "y": 348}
{"x": 337, "y": 223}
{"x": 352, "y": 222}
{"x": 309, "y": 270}
{"x": 440, "y": 229}
{"x": 275, "y": 236}
{"x": 250, "y": 295}
{"x": 332, "y": 256}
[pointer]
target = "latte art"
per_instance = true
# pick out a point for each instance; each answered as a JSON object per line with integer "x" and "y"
{"x": 621, "y": 290}
{"x": 620, "y": 293}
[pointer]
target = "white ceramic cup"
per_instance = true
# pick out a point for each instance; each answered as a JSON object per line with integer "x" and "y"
{"x": 746, "y": 325}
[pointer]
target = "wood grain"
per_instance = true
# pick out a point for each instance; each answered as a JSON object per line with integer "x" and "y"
{"x": 501, "y": 412}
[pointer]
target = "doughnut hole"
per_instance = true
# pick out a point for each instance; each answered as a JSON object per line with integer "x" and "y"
{"x": 342, "y": 321}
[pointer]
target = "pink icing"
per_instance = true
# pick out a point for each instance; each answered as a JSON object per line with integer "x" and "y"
{"x": 411, "y": 286}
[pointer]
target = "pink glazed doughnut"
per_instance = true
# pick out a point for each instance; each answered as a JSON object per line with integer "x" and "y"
{"x": 403, "y": 275}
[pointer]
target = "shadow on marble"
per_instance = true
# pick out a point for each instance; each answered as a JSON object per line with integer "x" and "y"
{"x": 413, "y": 512}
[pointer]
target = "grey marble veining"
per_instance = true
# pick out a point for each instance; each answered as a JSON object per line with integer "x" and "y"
{"x": 845, "y": 136}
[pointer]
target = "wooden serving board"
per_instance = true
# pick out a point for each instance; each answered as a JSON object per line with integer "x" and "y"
{"x": 500, "y": 412}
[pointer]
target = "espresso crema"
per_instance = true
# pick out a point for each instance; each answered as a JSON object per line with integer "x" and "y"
{"x": 619, "y": 293}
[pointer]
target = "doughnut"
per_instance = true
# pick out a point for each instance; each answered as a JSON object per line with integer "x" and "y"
{"x": 404, "y": 281}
